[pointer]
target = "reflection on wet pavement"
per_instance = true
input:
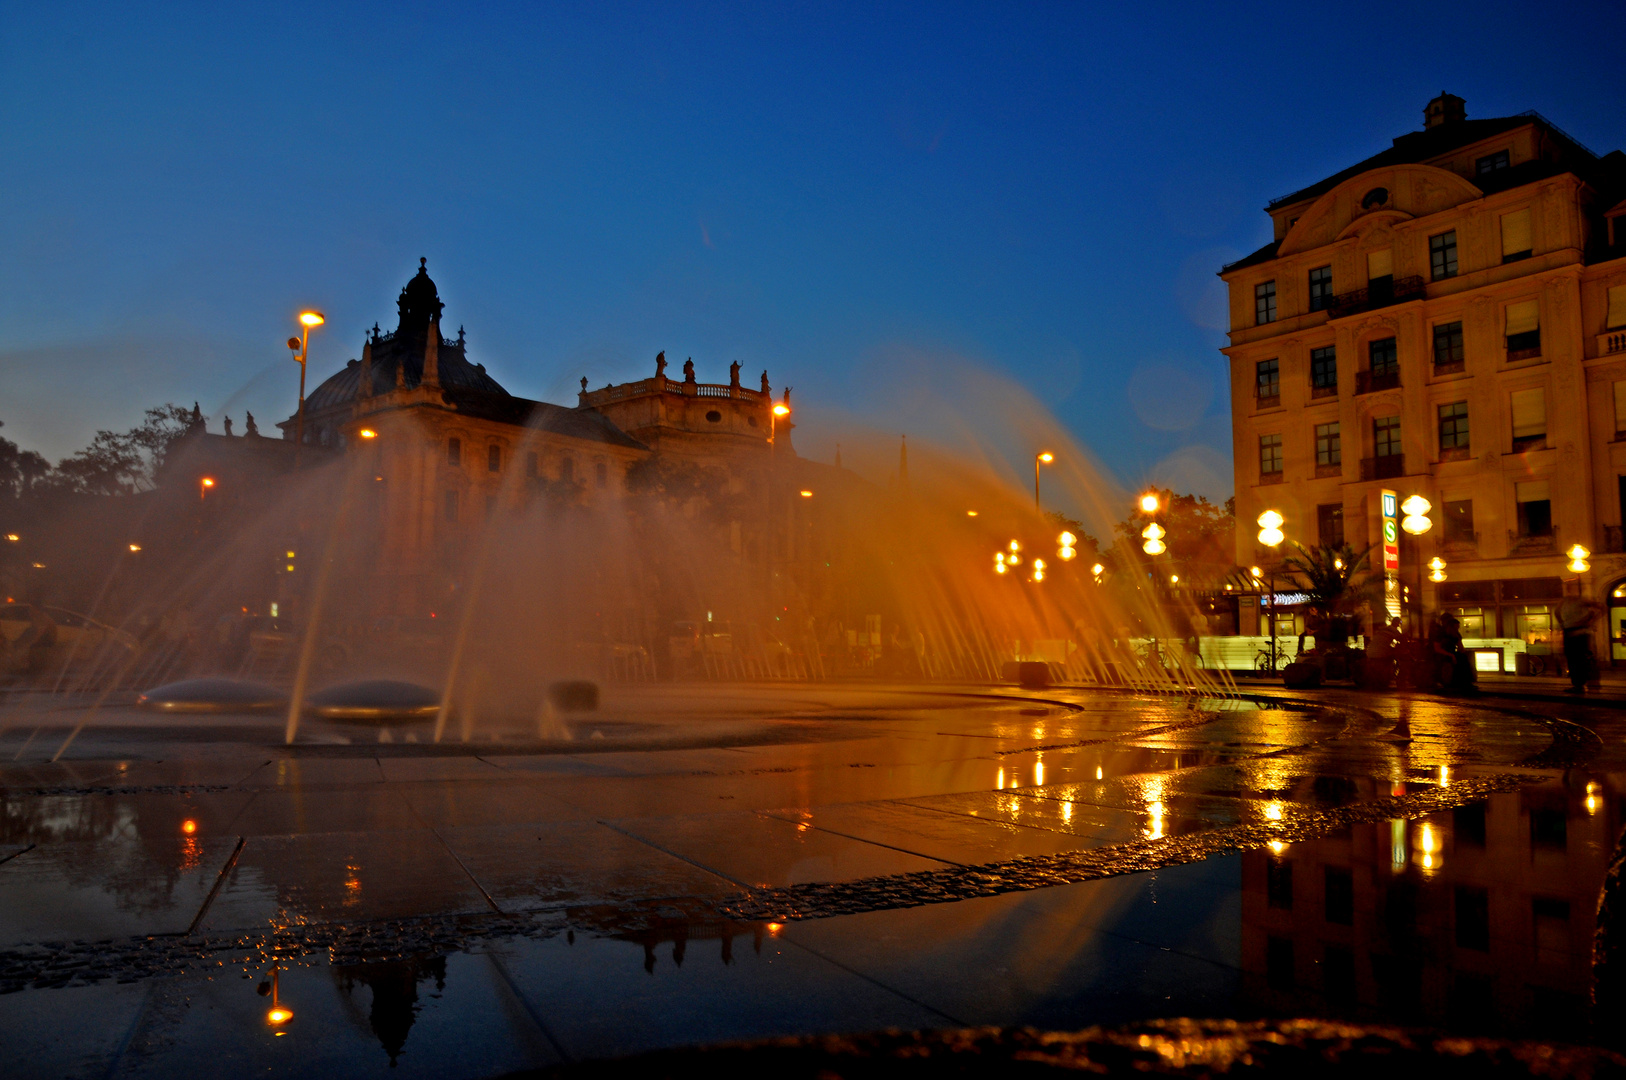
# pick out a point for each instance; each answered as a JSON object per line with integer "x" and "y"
{"x": 889, "y": 858}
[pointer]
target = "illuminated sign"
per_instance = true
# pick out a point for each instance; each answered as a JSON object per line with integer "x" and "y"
{"x": 1391, "y": 552}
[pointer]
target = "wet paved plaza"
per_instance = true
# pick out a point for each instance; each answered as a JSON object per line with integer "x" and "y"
{"x": 698, "y": 864}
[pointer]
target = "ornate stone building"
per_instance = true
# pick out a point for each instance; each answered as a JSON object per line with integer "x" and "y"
{"x": 1446, "y": 318}
{"x": 448, "y": 447}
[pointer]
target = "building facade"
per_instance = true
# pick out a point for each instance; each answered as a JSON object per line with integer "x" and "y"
{"x": 1446, "y": 318}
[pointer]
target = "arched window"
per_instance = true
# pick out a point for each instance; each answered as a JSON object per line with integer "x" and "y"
{"x": 494, "y": 459}
{"x": 454, "y": 451}
{"x": 603, "y": 472}
{"x": 567, "y": 470}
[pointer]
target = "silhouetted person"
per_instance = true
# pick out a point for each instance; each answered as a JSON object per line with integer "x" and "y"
{"x": 1575, "y": 616}
{"x": 228, "y": 427}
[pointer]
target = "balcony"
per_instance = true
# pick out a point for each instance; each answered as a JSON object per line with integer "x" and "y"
{"x": 1460, "y": 545}
{"x": 1454, "y": 453}
{"x": 1450, "y": 367}
{"x": 1368, "y": 383}
{"x": 1383, "y": 468}
{"x": 1324, "y": 391}
{"x": 1532, "y": 545}
{"x": 1612, "y": 341}
{"x": 1376, "y": 295}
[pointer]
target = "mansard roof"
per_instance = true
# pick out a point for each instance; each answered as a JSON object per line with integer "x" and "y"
{"x": 400, "y": 356}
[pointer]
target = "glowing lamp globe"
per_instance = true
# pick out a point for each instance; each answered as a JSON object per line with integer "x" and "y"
{"x": 1416, "y": 506}
{"x": 1148, "y": 503}
{"x": 1154, "y": 531}
{"x": 1098, "y": 569}
{"x": 781, "y": 409}
{"x": 1066, "y": 539}
{"x": 1416, "y": 524}
{"x": 1271, "y": 537}
{"x": 1154, "y": 547}
{"x": 1066, "y": 554}
{"x": 1271, "y": 519}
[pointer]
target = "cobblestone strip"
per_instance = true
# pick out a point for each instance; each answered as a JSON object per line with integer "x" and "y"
{"x": 818, "y": 900}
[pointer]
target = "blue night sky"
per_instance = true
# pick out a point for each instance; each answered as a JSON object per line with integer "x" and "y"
{"x": 1043, "y": 191}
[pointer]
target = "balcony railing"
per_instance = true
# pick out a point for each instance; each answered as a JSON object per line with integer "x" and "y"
{"x": 1611, "y": 341}
{"x": 1461, "y": 545}
{"x": 1335, "y": 469}
{"x": 1376, "y": 296}
{"x": 1323, "y": 391}
{"x": 1366, "y": 382}
{"x": 1546, "y": 544}
{"x": 1450, "y": 367}
{"x": 1384, "y": 467}
{"x": 1454, "y": 453}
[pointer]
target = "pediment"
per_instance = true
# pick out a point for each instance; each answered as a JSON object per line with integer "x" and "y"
{"x": 1354, "y": 206}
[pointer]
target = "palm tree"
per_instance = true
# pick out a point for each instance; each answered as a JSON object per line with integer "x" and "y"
{"x": 1335, "y": 583}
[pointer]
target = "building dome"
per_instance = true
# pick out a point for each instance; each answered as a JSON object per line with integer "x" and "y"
{"x": 420, "y": 302}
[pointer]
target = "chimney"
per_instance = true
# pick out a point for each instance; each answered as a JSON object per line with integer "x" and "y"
{"x": 364, "y": 386}
{"x": 1445, "y": 109}
{"x": 431, "y": 357}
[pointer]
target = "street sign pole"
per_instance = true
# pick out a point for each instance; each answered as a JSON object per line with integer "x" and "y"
{"x": 1391, "y": 552}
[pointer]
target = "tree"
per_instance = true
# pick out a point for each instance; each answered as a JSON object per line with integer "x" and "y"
{"x": 20, "y": 469}
{"x": 122, "y": 463}
{"x": 1201, "y": 537}
{"x": 1335, "y": 582}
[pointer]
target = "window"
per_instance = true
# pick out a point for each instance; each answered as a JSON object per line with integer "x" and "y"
{"x": 1490, "y": 163}
{"x": 1384, "y": 357}
{"x": 1523, "y": 330}
{"x": 1320, "y": 287}
{"x": 1376, "y": 197}
{"x": 1380, "y": 264}
{"x": 567, "y": 470}
{"x": 1442, "y": 255}
{"x": 1330, "y": 524}
{"x": 1386, "y": 436}
{"x": 1267, "y": 379}
{"x": 454, "y": 451}
{"x": 1329, "y": 446}
{"x": 1264, "y": 302}
{"x": 494, "y": 459}
{"x": 1454, "y": 429}
{"x": 533, "y": 466}
{"x": 1617, "y": 296}
{"x": 1529, "y": 418}
{"x": 1270, "y": 455}
{"x": 1279, "y": 884}
{"x": 1516, "y": 235}
{"x": 1459, "y": 521}
{"x": 450, "y": 505}
{"x": 1620, "y": 408}
{"x": 1448, "y": 344}
{"x": 1324, "y": 368}
{"x": 1473, "y": 918}
{"x": 1338, "y": 895}
{"x": 1535, "y": 509}
{"x": 601, "y": 473}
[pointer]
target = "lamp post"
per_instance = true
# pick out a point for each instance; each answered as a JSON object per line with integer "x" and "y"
{"x": 1416, "y": 522}
{"x": 301, "y": 347}
{"x": 1271, "y": 535}
{"x": 1043, "y": 457}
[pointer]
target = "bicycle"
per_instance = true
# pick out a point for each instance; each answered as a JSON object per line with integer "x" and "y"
{"x": 1262, "y": 659}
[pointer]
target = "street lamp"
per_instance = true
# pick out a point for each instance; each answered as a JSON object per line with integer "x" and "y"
{"x": 204, "y": 485}
{"x": 301, "y": 347}
{"x": 1065, "y": 550}
{"x": 1436, "y": 569}
{"x": 1271, "y": 535}
{"x": 1578, "y": 556}
{"x": 1043, "y": 457}
{"x": 1154, "y": 534}
{"x": 1149, "y": 503}
{"x": 1416, "y": 523}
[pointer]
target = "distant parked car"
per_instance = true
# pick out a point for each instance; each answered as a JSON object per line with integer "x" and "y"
{"x": 36, "y": 635}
